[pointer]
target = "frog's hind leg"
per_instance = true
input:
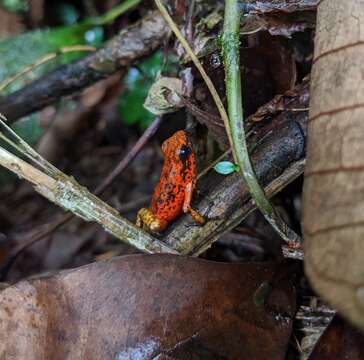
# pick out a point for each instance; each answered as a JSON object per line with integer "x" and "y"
{"x": 187, "y": 205}
{"x": 147, "y": 221}
{"x": 140, "y": 216}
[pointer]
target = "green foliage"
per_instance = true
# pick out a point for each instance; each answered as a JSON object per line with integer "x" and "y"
{"x": 225, "y": 167}
{"x": 26, "y": 49}
{"x": 138, "y": 80}
{"x": 23, "y": 50}
{"x": 14, "y": 5}
{"x": 28, "y": 129}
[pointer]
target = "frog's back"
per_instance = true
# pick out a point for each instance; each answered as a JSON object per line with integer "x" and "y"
{"x": 178, "y": 171}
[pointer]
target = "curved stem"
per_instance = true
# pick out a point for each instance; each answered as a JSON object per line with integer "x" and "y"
{"x": 231, "y": 45}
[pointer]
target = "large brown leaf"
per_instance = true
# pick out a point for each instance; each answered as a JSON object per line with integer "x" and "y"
{"x": 151, "y": 307}
{"x": 333, "y": 200}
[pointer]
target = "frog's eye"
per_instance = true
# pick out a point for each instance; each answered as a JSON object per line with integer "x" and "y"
{"x": 184, "y": 151}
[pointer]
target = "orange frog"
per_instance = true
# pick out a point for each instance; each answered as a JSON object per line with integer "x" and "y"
{"x": 173, "y": 193}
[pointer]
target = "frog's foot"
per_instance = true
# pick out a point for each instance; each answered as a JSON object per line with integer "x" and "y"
{"x": 148, "y": 221}
{"x": 202, "y": 219}
{"x": 197, "y": 217}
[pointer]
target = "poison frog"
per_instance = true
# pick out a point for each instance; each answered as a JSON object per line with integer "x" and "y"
{"x": 173, "y": 194}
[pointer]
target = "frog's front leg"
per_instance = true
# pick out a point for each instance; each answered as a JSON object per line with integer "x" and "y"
{"x": 148, "y": 221}
{"x": 187, "y": 205}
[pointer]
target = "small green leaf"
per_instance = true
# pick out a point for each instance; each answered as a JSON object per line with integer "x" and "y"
{"x": 226, "y": 167}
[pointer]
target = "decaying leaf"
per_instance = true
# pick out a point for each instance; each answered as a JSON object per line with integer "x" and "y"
{"x": 333, "y": 196}
{"x": 151, "y": 307}
{"x": 163, "y": 96}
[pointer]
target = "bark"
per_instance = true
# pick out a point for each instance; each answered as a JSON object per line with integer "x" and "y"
{"x": 127, "y": 47}
{"x": 333, "y": 197}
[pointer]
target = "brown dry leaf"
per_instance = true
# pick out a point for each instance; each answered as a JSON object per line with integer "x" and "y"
{"x": 151, "y": 307}
{"x": 333, "y": 196}
{"x": 339, "y": 341}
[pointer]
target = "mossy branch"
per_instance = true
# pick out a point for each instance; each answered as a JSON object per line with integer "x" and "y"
{"x": 230, "y": 46}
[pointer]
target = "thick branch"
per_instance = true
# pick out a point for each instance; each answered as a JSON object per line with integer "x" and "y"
{"x": 130, "y": 45}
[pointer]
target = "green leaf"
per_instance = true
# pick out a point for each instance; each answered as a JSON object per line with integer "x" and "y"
{"x": 225, "y": 167}
{"x": 138, "y": 80}
{"x": 25, "y": 49}
{"x": 29, "y": 129}
{"x": 15, "y": 5}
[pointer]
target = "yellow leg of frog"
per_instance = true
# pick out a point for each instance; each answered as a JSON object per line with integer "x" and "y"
{"x": 148, "y": 221}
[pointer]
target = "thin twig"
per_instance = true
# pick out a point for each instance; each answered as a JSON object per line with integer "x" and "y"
{"x": 189, "y": 21}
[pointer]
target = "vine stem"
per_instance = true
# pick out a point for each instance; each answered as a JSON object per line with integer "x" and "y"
{"x": 116, "y": 11}
{"x": 231, "y": 56}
